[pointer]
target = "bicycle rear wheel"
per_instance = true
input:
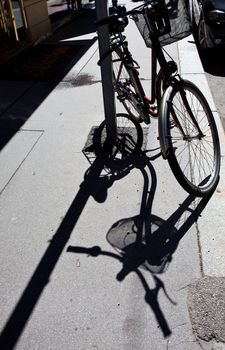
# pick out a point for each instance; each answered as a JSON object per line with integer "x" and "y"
{"x": 125, "y": 89}
{"x": 189, "y": 138}
{"x": 129, "y": 138}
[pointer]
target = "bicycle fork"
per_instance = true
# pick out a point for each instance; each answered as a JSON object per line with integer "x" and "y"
{"x": 166, "y": 108}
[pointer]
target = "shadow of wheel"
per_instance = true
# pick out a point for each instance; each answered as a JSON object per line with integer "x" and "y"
{"x": 129, "y": 139}
{"x": 119, "y": 157}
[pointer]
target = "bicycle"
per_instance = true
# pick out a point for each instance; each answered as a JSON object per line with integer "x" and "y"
{"x": 188, "y": 134}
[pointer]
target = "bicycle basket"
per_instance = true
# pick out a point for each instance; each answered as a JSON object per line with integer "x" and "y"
{"x": 179, "y": 19}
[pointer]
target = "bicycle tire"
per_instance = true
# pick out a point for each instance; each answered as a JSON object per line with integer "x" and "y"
{"x": 125, "y": 90}
{"x": 194, "y": 161}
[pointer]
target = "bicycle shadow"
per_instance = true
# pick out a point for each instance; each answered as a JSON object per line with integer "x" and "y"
{"x": 146, "y": 241}
{"x": 147, "y": 231}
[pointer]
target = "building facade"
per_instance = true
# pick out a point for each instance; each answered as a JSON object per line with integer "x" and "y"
{"x": 25, "y": 22}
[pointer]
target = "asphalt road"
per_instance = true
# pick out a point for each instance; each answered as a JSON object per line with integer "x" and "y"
{"x": 213, "y": 64}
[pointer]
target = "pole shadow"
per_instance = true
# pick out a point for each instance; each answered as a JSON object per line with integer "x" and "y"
{"x": 97, "y": 180}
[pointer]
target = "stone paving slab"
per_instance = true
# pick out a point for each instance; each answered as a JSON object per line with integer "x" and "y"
{"x": 206, "y": 300}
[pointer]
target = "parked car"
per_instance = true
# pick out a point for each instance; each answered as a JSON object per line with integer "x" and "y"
{"x": 209, "y": 23}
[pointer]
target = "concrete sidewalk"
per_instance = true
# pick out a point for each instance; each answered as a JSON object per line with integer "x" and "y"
{"x": 63, "y": 225}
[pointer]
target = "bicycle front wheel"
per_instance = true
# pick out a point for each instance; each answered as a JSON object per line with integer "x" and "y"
{"x": 189, "y": 138}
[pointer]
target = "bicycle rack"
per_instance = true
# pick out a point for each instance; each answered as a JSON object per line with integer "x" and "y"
{"x": 106, "y": 73}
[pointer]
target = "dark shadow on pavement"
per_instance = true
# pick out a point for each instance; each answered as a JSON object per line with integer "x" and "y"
{"x": 213, "y": 61}
{"x": 29, "y": 78}
{"x": 213, "y": 64}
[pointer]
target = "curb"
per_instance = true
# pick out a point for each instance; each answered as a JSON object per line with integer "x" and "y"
{"x": 191, "y": 68}
{"x": 210, "y": 224}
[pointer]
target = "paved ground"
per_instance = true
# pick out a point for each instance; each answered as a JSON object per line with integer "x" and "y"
{"x": 67, "y": 281}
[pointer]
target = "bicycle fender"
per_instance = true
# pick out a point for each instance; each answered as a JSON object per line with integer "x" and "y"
{"x": 162, "y": 122}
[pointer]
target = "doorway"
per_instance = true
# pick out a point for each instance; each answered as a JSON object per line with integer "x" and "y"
{"x": 13, "y": 23}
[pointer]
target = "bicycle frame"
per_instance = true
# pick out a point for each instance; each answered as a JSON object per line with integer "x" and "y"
{"x": 178, "y": 103}
{"x": 165, "y": 77}
{"x": 132, "y": 67}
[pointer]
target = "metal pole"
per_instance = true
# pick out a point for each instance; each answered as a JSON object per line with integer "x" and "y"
{"x": 106, "y": 73}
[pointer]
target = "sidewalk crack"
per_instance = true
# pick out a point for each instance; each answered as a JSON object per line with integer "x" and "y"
{"x": 19, "y": 166}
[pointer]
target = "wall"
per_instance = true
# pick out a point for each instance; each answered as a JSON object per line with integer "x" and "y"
{"x": 39, "y": 25}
